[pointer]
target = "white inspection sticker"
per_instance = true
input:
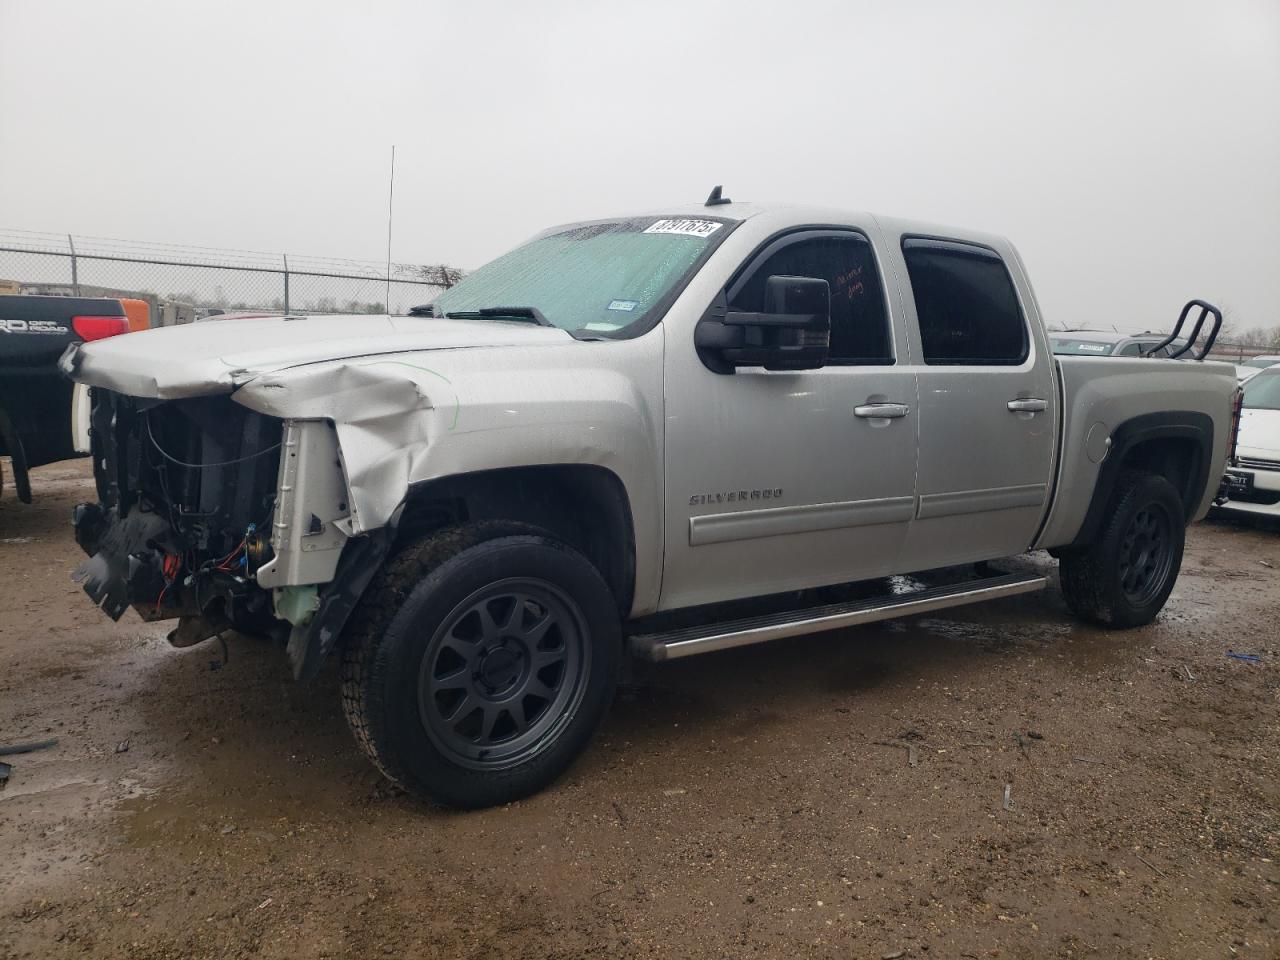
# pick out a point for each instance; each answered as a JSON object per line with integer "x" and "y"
{"x": 626, "y": 306}
{"x": 686, "y": 228}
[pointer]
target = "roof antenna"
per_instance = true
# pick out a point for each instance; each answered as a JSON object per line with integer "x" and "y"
{"x": 716, "y": 199}
{"x": 391, "y": 197}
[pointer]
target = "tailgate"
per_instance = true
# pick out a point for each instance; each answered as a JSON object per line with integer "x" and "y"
{"x": 35, "y": 330}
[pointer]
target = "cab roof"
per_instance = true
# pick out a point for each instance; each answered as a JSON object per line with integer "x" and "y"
{"x": 780, "y": 214}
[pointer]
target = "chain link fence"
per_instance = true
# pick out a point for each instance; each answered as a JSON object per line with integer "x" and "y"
{"x": 1239, "y": 352}
{"x": 184, "y": 283}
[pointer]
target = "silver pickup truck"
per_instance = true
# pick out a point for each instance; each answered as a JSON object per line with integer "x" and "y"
{"x": 647, "y": 436}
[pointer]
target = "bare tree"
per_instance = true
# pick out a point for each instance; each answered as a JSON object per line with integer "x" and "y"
{"x": 1256, "y": 337}
{"x": 441, "y": 274}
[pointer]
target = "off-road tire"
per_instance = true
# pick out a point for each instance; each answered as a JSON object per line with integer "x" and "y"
{"x": 401, "y": 616}
{"x": 1092, "y": 577}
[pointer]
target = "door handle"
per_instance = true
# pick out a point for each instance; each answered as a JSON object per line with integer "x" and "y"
{"x": 1027, "y": 405}
{"x": 881, "y": 411}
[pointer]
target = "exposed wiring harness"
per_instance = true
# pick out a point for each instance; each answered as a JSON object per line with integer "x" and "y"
{"x": 172, "y": 564}
{"x": 201, "y": 466}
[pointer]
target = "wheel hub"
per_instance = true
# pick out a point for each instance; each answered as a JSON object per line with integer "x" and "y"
{"x": 502, "y": 667}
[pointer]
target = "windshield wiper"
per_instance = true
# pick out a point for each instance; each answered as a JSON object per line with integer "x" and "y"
{"x": 525, "y": 314}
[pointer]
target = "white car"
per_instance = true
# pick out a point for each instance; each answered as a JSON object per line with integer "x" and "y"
{"x": 1253, "y": 479}
{"x": 1262, "y": 362}
{"x": 1250, "y": 368}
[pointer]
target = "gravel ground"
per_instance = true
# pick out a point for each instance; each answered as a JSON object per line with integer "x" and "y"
{"x": 836, "y": 796}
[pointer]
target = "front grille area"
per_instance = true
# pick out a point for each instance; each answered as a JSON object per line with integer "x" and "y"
{"x": 1255, "y": 463}
{"x": 207, "y": 465}
{"x": 184, "y": 487}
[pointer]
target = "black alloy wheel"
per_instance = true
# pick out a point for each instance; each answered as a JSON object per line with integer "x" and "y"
{"x": 505, "y": 670}
{"x": 480, "y": 661}
{"x": 1146, "y": 551}
{"x": 1123, "y": 578}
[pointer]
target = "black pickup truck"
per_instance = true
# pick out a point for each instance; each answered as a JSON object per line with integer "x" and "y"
{"x": 39, "y": 419}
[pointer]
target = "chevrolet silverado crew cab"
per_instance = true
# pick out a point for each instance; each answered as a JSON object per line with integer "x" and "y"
{"x": 645, "y": 436}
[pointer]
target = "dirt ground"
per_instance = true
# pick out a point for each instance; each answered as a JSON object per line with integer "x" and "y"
{"x": 760, "y": 802}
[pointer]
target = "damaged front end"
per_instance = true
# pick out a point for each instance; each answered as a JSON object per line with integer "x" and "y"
{"x": 223, "y": 517}
{"x": 186, "y": 492}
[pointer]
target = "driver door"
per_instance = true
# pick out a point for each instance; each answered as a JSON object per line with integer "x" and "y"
{"x": 781, "y": 480}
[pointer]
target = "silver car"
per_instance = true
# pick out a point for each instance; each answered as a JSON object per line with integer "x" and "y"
{"x": 1099, "y": 343}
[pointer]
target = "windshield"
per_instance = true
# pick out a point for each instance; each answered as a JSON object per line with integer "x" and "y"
{"x": 1263, "y": 391}
{"x": 594, "y": 279}
{"x": 1070, "y": 345}
{"x": 1262, "y": 362}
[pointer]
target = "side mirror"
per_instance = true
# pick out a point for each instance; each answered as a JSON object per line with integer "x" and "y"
{"x": 793, "y": 332}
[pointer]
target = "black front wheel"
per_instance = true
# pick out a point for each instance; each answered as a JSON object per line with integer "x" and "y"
{"x": 506, "y": 669}
{"x": 480, "y": 663}
{"x": 1125, "y": 576}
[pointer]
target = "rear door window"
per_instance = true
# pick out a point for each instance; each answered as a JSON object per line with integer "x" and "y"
{"x": 966, "y": 304}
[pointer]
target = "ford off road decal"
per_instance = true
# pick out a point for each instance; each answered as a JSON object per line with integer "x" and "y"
{"x": 32, "y": 326}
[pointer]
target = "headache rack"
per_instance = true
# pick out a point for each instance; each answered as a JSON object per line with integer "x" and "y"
{"x": 1206, "y": 310}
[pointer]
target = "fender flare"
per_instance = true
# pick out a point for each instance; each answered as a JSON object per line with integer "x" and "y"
{"x": 1174, "y": 424}
{"x": 311, "y": 642}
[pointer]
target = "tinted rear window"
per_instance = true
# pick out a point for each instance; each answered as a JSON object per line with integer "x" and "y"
{"x": 965, "y": 302}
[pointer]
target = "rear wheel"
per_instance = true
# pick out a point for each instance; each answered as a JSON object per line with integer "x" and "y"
{"x": 1124, "y": 578}
{"x": 482, "y": 661}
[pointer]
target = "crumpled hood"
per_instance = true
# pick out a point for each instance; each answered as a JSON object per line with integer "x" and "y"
{"x": 217, "y": 356}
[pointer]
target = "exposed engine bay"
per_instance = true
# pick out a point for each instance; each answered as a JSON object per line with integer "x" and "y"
{"x": 187, "y": 496}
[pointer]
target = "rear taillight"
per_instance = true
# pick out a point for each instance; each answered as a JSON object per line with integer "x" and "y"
{"x": 98, "y": 328}
{"x": 1237, "y": 402}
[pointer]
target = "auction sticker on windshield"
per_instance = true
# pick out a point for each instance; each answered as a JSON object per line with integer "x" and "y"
{"x": 686, "y": 228}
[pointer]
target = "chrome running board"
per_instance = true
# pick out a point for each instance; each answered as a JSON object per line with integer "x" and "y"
{"x": 688, "y": 641}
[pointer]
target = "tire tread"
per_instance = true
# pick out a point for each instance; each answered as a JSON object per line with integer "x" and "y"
{"x": 367, "y": 669}
{"x": 1083, "y": 572}
{"x": 361, "y": 700}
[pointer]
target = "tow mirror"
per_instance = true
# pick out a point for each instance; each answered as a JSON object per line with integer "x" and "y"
{"x": 792, "y": 333}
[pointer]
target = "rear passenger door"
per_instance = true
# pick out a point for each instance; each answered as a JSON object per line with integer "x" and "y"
{"x": 988, "y": 408}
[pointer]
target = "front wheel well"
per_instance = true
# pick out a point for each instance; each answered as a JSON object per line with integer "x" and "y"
{"x": 583, "y": 505}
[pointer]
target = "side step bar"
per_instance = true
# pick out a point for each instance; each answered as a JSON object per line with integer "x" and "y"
{"x": 686, "y": 642}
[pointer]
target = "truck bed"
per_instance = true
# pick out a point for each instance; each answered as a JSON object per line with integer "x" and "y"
{"x": 1111, "y": 402}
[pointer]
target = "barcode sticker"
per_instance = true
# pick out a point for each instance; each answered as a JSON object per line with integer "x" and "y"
{"x": 686, "y": 228}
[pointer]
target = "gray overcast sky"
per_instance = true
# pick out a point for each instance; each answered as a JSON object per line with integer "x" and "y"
{"x": 1131, "y": 150}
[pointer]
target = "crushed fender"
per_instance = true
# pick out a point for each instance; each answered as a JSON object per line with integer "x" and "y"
{"x": 371, "y": 403}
